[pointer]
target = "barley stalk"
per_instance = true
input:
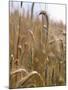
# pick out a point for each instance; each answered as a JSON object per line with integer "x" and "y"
{"x": 25, "y": 81}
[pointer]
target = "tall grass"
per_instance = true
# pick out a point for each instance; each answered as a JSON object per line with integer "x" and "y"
{"x": 28, "y": 53}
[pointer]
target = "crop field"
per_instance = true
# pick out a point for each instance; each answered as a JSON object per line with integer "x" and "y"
{"x": 37, "y": 50}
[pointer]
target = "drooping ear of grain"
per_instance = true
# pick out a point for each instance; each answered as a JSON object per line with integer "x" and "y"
{"x": 33, "y": 77}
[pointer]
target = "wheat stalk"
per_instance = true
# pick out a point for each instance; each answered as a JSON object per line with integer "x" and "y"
{"x": 19, "y": 71}
{"x": 31, "y": 76}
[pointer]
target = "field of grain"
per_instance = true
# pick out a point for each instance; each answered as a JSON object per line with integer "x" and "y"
{"x": 37, "y": 56}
